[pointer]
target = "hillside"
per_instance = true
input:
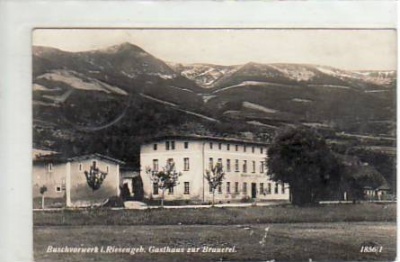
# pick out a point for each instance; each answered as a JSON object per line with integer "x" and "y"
{"x": 111, "y": 100}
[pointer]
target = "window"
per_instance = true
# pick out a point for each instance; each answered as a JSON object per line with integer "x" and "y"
{"x": 171, "y": 191}
{"x": 253, "y": 166}
{"x": 228, "y": 147}
{"x": 186, "y": 188}
{"x": 262, "y": 167}
{"x": 186, "y": 145}
{"x": 63, "y": 184}
{"x": 228, "y": 165}
{"x": 244, "y": 166}
{"x": 236, "y": 148}
{"x": 186, "y": 164}
{"x": 173, "y": 145}
{"x": 269, "y": 188}
{"x": 220, "y": 161}
{"x": 155, "y": 147}
{"x": 155, "y": 189}
{"x": 244, "y": 188}
{"x": 50, "y": 167}
{"x": 261, "y": 188}
{"x": 155, "y": 164}
{"x": 276, "y": 188}
{"x": 211, "y": 145}
{"x": 58, "y": 189}
{"x": 283, "y": 188}
{"x": 107, "y": 168}
{"x": 167, "y": 145}
{"x": 244, "y": 148}
{"x": 237, "y": 187}
{"x": 94, "y": 163}
{"x": 253, "y": 149}
{"x": 210, "y": 187}
{"x": 228, "y": 187}
{"x": 261, "y": 150}
{"x": 80, "y": 166}
{"x": 237, "y": 165}
{"x": 211, "y": 163}
{"x": 219, "y": 146}
{"x": 219, "y": 189}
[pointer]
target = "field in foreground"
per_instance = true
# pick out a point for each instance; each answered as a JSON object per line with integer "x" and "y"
{"x": 219, "y": 216}
{"x": 262, "y": 242}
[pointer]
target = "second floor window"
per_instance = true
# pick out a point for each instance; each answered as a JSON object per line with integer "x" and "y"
{"x": 167, "y": 145}
{"x": 155, "y": 164}
{"x": 173, "y": 145}
{"x": 154, "y": 146}
{"x": 237, "y": 165}
{"x": 186, "y": 164}
{"x": 253, "y": 164}
{"x": 262, "y": 167}
{"x": 211, "y": 163}
{"x": 244, "y": 166}
{"x": 228, "y": 165}
{"x": 186, "y": 145}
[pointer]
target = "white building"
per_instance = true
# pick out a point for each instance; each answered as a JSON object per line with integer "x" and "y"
{"x": 244, "y": 164}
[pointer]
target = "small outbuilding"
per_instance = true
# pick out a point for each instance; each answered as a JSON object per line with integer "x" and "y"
{"x": 80, "y": 181}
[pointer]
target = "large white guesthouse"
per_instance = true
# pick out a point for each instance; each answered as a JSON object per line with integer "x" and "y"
{"x": 243, "y": 162}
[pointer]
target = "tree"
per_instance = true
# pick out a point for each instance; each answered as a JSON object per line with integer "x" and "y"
{"x": 301, "y": 158}
{"x": 214, "y": 178}
{"x": 43, "y": 190}
{"x": 165, "y": 179}
{"x": 95, "y": 177}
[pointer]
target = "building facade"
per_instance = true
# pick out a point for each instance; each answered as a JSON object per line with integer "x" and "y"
{"x": 66, "y": 181}
{"x": 243, "y": 162}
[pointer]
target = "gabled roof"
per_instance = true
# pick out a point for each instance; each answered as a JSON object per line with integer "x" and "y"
{"x": 205, "y": 138}
{"x": 96, "y": 155}
{"x": 59, "y": 158}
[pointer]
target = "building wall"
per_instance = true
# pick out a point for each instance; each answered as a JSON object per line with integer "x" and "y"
{"x": 52, "y": 176}
{"x": 81, "y": 194}
{"x": 199, "y": 154}
{"x": 68, "y": 181}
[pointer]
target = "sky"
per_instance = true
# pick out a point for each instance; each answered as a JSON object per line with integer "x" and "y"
{"x": 345, "y": 49}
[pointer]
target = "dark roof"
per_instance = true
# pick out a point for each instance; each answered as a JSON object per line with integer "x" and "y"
{"x": 60, "y": 158}
{"x": 207, "y": 138}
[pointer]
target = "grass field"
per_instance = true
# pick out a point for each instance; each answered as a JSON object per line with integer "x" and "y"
{"x": 219, "y": 216}
{"x": 262, "y": 242}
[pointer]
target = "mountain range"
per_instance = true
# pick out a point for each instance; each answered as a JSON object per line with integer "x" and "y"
{"x": 111, "y": 100}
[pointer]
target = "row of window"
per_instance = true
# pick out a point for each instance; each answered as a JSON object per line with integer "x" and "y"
{"x": 186, "y": 189}
{"x": 261, "y": 189}
{"x": 170, "y": 145}
{"x": 227, "y": 167}
{"x": 80, "y": 166}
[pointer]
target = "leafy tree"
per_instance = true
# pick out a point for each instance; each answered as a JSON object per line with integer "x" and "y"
{"x": 214, "y": 178}
{"x": 43, "y": 189}
{"x": 165, "y": 179}
{"x": 301, "y": 158}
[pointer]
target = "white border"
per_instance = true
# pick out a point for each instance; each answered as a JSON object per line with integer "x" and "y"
{"x": 18, "y": 18}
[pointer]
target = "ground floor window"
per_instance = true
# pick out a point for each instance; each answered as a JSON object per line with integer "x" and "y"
{"x": 276, "y": 188}
{"x": 219, "y": 189}
{"x": 186, "y": 188}
{"x": 171, "y": 190}
{"x": 155, "y": 189}
{"x": 228, "y": 187}
{"x": 283, "y": 188}
{"x": 269, "y": 188}
{"x": 261, "y": 188}
{"x": 237, "y": 187}
{"x": 244, "y": 188}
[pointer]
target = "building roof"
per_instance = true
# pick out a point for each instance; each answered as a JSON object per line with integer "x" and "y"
{"x": 60, "y": 158}
{"x": 205, "y": 138}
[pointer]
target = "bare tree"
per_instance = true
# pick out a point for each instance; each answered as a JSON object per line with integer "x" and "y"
{"x": 165, "y": 179}
{"x": 214, "y": 178}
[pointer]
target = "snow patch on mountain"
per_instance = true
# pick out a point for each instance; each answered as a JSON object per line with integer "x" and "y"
{"x": 251, "y": 83}
{"x": 257, "y": 123}
{"x": 301, "y": 100}
{"x": 258, "y": 107}
{"x": 293, "y": 72}
{"x": 76, "y": 81}
{"x": 331, "y": 86}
